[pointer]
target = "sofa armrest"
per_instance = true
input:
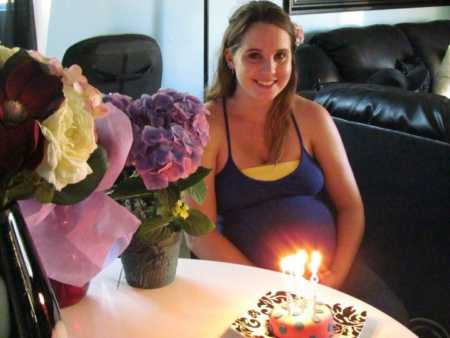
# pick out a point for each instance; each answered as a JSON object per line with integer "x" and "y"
{"x": 405, "y": 185}
{"x": 314, "y": 67}
{"x": 421, "y": 114}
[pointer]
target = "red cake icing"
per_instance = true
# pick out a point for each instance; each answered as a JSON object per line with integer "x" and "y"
{"x": 300, "y": 322}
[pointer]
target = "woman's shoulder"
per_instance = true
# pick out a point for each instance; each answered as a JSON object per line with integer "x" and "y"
{"x": 309, "y": 112}
{"x": 313, "y": 119}
{"x": 303, "y": 106}
{"x": 216, "y": 119}
{"x": 216, "y": 111}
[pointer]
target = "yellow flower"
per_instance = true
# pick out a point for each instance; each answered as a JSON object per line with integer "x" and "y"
{"x": 181, "y": 210}
{"x": 70, "y": 141}
{"x": 6, "y": 53}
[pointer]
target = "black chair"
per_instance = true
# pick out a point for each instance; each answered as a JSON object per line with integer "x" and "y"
{"x": 130, "y": 64}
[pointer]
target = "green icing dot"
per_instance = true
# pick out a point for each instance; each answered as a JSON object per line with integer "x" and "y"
{"x": 299, "y": 326}
{"x": 283, "y": 329}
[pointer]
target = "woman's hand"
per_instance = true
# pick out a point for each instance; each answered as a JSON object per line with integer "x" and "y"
{"x": 330, "y": 278}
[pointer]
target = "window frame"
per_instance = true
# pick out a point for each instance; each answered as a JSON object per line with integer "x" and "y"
{"x": 321, "y": 6}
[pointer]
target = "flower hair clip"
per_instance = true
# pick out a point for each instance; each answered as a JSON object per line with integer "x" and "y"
{"x": 299, "y": 34}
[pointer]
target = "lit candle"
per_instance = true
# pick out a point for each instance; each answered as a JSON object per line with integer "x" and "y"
{"x": 287, "y": 266}
{"x": 301, "y": 260}
{"x": 314, "y": 265}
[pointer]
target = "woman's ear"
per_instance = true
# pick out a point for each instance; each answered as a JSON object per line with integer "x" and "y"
{"x": 229, "y": 58}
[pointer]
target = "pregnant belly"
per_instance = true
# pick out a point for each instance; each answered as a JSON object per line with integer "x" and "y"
{"x": 274, "y": 229}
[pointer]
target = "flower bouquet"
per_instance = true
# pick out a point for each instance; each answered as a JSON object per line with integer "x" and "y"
{"x": 170, "y": 131}
{"x": 60, "y": 149}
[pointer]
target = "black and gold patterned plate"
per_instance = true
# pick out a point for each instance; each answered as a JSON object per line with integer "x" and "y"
{"x": 348, "y": 321}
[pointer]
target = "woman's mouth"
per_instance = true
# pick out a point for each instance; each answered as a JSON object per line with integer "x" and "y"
{"x": 266, "y": 84}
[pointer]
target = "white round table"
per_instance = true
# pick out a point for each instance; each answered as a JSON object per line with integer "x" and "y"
{"x": 202, "y": 302}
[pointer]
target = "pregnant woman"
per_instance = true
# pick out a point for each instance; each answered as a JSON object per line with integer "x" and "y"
{"x": 280, "y": 177}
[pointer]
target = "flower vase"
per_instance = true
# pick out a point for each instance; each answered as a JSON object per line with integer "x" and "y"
{"x": 32, "y": 309}
{"x": 150, "y": 266}
{"x": 68, "y": 294}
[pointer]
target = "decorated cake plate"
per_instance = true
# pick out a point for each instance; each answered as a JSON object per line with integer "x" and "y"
{"x": 348, "y": 321}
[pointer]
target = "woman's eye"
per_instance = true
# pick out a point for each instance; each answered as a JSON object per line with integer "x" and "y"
{"x": 281, "y": 56}
{"x": 254, "y": 56}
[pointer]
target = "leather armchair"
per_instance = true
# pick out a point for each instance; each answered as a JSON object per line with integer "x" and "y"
{"x": 405, "y": 185}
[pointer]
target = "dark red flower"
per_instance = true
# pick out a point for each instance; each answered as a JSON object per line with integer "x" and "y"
{"x": 21, "y": 147}
{"x": 27, "y": 90}
{"x": 28, "y": 94}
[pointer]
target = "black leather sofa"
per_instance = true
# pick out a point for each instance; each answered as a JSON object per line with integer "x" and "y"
{"x": 376, "y": 82}
{"x": 361, "y": 73}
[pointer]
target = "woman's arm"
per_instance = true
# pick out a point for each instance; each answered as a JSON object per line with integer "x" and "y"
{"x": 214, "y": 245}
{"x": 328, "y": 149}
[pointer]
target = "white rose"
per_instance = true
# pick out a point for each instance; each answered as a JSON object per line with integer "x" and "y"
{"x": 70, "y": 142}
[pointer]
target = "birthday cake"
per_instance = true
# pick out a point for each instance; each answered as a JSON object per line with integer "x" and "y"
{"x": 301, "y": 319}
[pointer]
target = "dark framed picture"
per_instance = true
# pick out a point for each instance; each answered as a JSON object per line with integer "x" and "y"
{"x": 318, "y": 6}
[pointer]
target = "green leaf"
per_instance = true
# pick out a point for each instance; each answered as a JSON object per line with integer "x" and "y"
{"x": 75, "y": 193}
{"x": 173, "y": 195}
{"x": 20, "y": 186}
{"x": 149, "y": 225}
{"x": 198, "y": 191}
{"x": 193, "y": 179}
{"x": 197, "y": 223}
{"x": 163, "y": 209}
{"x": 154, "y": 236}
{"x": 130, "y": 188}
{"x": 45, "y": 192}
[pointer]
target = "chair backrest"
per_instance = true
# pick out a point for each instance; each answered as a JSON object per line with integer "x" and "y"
{"x": 127, "y": 63}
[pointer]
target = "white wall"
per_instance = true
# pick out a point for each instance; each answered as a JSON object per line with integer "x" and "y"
{"x": 326, "y": 21}
{"x": 72, "y": 21}
{"x": 181, "y": 39}
{"x": 42, "y": 16}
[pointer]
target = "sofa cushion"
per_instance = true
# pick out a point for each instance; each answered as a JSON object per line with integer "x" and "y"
{"x": 359, "y": 52}
{"x": 421, "y": 114}
{"x": 442, "y": 83}
{"x": 314, "y": 67}
{"x": 389, "y": 77}
{"x": 416, "y": 72}
{"x": 404, "y": 182}
{"x": 429, "y": 40}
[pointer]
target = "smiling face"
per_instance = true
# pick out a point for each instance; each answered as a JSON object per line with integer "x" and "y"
{"x": 262, "y": 62}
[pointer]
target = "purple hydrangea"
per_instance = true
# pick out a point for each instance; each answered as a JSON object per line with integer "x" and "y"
{"x": 170, "y": 131}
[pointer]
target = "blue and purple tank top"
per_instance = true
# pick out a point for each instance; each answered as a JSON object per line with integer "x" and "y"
{"x": 268, "y": 220}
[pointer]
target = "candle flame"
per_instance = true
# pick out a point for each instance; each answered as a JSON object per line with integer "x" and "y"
{"x": 316, "y": 259}
{"x": 288, "y": 264}
{"x": 302, "y": 256}
{"x": 301, "y": 259}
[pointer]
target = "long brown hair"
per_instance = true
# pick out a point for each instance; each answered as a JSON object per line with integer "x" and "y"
{"x": 224, "y": 83}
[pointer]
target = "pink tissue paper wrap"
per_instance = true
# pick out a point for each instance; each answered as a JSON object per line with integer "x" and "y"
{"x": 77, "y": 241}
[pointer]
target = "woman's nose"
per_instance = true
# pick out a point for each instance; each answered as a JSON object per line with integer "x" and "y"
{"x": 268, "y": 65}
